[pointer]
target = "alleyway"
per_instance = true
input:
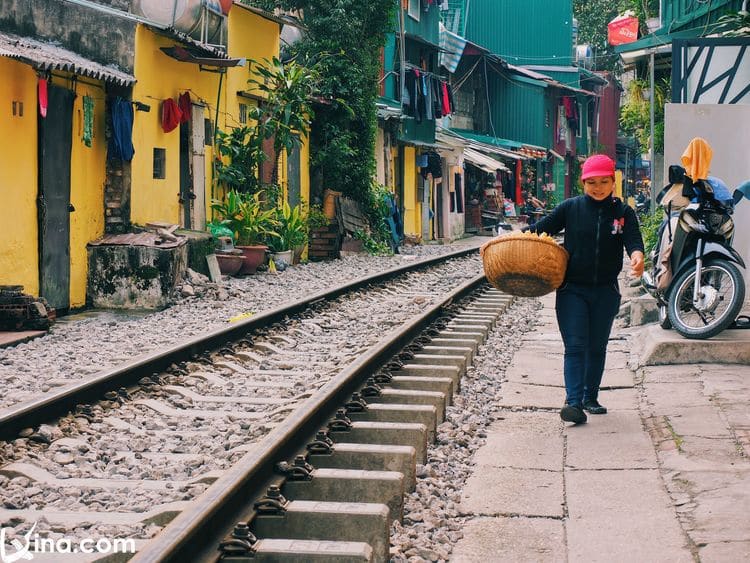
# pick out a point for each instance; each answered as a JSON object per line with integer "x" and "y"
{"x": 663, "y": 477}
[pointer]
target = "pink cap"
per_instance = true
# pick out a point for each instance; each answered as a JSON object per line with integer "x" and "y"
{"x": 598, "y": 165}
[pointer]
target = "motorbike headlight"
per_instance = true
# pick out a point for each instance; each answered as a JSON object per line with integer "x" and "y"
{"x": 689, "y": 221}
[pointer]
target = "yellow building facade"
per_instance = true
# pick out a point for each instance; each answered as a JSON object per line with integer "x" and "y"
{"x": 19, "y": 174}
{"x": 219, "y": 100}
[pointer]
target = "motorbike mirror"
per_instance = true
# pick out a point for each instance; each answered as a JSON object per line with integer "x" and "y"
{"x": 743, "y": 190}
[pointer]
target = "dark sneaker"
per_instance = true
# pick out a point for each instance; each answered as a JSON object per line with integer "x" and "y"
{"x": 573, "y": 413}
{"x": 594, "y": 407}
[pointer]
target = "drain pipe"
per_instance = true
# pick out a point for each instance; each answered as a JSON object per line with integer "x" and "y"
{"x": 743, "y": 10}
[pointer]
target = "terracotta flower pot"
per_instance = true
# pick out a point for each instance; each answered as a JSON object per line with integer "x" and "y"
{"x": 230, "y": 264}
{"x": 254, "y": 257}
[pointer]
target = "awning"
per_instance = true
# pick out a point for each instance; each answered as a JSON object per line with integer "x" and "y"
{"x": 556, "y": 155}
{"x": 495, "y": 145}
{"x": 47, "y": 57}
{"x": 486, "y": 163}
{"x": 191, "y": 55}
{"x": 531, "y": 73}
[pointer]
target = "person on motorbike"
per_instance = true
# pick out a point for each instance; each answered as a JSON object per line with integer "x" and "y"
{"x": 598, "y": 226}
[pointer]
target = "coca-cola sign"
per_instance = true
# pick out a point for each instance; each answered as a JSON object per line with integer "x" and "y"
{"x": 621, "y": 30}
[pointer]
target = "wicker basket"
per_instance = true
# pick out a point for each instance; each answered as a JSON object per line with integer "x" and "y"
{"x": 525, "y": 265}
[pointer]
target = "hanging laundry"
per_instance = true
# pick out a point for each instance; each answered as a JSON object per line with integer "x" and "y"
{"x": 571, "y": 112}
{"x": 419, "y": 97}
{"x": 451, "y": 105}
{"x": 121, "y": 141}
{"x": 446, "y": 99}
{"x": 410, "y": 100}
{"x": 186, "y": 107}
{"x": 429, "y": 111}
{"x": 170, "y": 115}
{"x": 42, "y": 91}
{"x": 433, "y": 166}
{"x": 437, "y": 104}
{"x": 88, "y": 120}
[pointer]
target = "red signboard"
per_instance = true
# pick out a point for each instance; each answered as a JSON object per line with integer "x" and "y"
{"x": 622, "y": 30}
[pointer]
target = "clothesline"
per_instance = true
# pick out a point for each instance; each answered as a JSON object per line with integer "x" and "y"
{"x": 410, "y": 66}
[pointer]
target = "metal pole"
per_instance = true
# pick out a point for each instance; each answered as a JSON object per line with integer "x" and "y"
{"x": 401, "y": 54}
{"x": 652, "y": 149}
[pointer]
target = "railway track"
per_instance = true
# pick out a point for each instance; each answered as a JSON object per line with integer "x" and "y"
{"x": 219, "y": 423}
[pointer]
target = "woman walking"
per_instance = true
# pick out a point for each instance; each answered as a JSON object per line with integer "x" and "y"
{"x": 597, "y": 228}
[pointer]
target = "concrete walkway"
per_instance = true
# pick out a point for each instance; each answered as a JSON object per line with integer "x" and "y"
{"x": 663, "y": 477}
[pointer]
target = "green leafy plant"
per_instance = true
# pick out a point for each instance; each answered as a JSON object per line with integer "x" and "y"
{"x": 241, "y": 152}
{"x": 291, "y": 228}
{"x": 244, "y": 214}
{"x": 736, "y": 24}
{"x": 286, "y": 113}
{"x": 649, "y": 230}
{"x": 372, "y": 246}
{"x": 635, "y": 117}
{"x": 316, "y": 219}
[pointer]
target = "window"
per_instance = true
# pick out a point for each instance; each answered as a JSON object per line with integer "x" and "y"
{"x": 208, "y": 132}
{"x": 160, "y": 164}
{"x": 243, "y": 113}
{"x": 414, "y": 6}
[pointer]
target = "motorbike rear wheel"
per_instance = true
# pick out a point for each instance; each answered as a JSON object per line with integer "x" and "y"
{"x": 722, "y": 296}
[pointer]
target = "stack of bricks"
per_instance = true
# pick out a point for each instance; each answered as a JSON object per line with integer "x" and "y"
{"x": 325, "y": 243}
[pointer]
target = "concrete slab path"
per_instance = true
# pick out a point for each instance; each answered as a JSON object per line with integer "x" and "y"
{"x": 664, "y": 476}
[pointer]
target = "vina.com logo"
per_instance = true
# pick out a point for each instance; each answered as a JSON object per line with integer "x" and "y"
{"x": 33, "y": 543}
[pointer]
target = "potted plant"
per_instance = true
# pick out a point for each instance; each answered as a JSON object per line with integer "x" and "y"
{"x": 290, "y": 231}
{"x": 251, "y": 224}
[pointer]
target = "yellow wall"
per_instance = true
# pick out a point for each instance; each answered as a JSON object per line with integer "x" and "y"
{"x": 87, "y": 178}
{"x": 160, "y": 77}
{"x": 412, "y": 208}
{"x": 250, "y": 37}
{"x": 618, "y": 184}
{"x": 18, "y": 178}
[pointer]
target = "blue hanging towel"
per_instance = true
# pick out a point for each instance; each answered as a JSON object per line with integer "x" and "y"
{"x": 121, "y": 141}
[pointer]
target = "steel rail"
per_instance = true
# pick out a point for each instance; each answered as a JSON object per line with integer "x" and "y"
{"x": 194, "y": 535}
{"x": 30, "y": 414}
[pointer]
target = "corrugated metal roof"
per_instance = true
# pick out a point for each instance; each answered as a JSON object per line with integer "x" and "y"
{"x": 49, "y": 56}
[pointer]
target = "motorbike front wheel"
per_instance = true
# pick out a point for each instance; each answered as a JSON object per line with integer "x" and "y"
{"x": 722, "y": 293}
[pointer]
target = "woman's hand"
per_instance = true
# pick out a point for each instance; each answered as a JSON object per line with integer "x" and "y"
{"x": 636, "y": 264}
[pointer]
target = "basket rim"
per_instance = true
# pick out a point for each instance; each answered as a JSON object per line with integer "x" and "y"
{"x": 510, "y": 238}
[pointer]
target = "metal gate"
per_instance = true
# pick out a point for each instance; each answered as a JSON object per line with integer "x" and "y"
{"x": 54, "y": 207}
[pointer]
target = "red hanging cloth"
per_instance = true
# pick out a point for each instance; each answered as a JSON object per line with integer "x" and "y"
{"x": 186, "y": 107}
{"x": 519, "y": 197}
{"x": 170, "y": 115}
{"x": 42, "y": 89}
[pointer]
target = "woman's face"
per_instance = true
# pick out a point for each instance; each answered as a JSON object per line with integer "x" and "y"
{"x": 599, "y": 187}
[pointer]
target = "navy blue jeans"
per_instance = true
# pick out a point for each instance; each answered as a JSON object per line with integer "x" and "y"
{"x": 585, "y": 315}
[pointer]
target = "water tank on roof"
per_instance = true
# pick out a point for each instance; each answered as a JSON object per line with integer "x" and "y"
{"x": 202, "y": 20}
{"x": 585, "y": 56}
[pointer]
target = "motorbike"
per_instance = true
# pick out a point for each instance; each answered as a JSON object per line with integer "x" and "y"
{"x": 707, "y": 289}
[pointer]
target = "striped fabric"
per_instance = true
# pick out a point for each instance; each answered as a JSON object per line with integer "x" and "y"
{"x": 451, "y": 49}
